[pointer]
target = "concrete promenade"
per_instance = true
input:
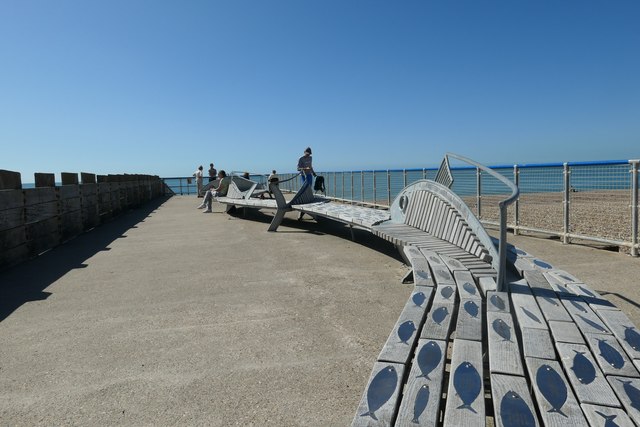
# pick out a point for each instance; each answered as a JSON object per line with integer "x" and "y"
{"x": 168, "y": 316}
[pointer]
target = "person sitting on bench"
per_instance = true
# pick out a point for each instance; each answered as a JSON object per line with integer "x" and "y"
{"x": 220, "y": 191}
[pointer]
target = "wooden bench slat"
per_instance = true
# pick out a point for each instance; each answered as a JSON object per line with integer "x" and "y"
{"x": 498, "y": 302}
{"x": 379, "y": 402}
{"x": 565, "y": 332}
{"x": 512, "y": 402}
{"x": 537, "y": 343}
{"x": 466, "y": 285}
{"x": 586, "y": 319}
{"x": 439, "y": 321}
{"x": 628, "y": 391}
{"x": 624, "y": 330}
{"x": 504, "y": 350}
{"x": 550, "y": 305}
{"x": 422, "y": 394}
{"x": 611, "y": 357}
{"x": 469, "y": 322}
{"x": 465, "y": 393}
{"x": 588, "y": 381}
{"x": 605, "y": 416}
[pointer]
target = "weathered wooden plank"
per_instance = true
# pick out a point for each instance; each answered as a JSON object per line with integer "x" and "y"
{"x": 44, "y": 179}
{"x": 626, "y": 332}
{"x": 603, "y": 416}
{"x": 465, "y": 396}
{"x": 498, "y": 302}
{"x": 12, "y": 238}
{"x": 10, "y": 256}
{"x": 586, "y": 319}
{"x": 439, "y": 321}
{"x": 550, "y": 305}
{"x": 10, "y": 180}
{"x": 442, "y": 275}
{"x": 11, "y": 218}
{"x": 588, "y": 381}
{"x": 466, "y": 285}
{"x": 564, "y": 277}
{"x": 445, "y": 294}
{"x": 527, "y": 311}
{"x": 469, "y": 323}
{"x": 421, "y": 272}
{"x": 565, "y": 332}
{"x": 556, "y": 401}
{"x": 591, "y": 297}
{"x": 379, "y": 402}
{"x": 610, "y": 356}
{"x": 422, "y": 394}
{"x": 486, "y": 283}
{"x": 504, "y": 351}
{"x": 537, "y": 343}
{"x": 628, "y": 391}
{"x": 536, "y": 280}
{"x": 43, "y": 235}
{"x": 404, "y": 335}
{"x": 523, "y": 264}
{"x": 512, "y": 402}
{"x": 453, "y": 264}
{"x": 558, "y": 285}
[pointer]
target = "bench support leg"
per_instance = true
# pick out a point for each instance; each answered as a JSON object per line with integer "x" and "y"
{"x": 277, "y": 219}
{"x": 353, "y": 237}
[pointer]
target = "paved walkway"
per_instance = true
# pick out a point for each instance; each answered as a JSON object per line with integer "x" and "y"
{"x": 168, "y": 316}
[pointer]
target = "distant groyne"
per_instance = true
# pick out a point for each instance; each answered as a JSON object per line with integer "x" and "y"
{"x": 33, "y": 220}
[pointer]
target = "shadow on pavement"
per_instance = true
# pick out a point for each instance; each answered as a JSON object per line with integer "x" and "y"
{"x": 27, "y": 281}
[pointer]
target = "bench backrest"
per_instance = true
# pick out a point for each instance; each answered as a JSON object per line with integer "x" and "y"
{"x": 433, "y": 208}
{"x": 240, "y": 188}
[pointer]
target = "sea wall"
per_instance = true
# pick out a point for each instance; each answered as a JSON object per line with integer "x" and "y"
{"x": 33, "y": 220}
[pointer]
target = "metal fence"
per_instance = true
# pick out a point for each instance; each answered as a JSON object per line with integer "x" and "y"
{"x": 586, "y": 201}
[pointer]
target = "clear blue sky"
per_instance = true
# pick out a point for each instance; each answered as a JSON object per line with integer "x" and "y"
{"x": 158, "y": 87}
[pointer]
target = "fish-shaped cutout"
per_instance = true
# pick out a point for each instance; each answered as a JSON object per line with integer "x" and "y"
{"x": 552, "y": 388}
{"x": 435, "y": 260}
{"x": 498, "y": 302}
{"x": 583, "y": 368}
{"x": 567, "y": 278}
{"x": 520, "y": 252}
{"x": 418, "y": 298}
{"x": 587, "y": 291}
{"x": 446, "y": 292}
{"x": 456, "y": 263}
{"x": 632, "y": 393}
{"x": 428, "y": 358}
{"x": 608, "y": 419}
{"x": 502, "y": 329}
{"x": 440, "y": 314}
{"x": 632, "y": 337}
{"x": 420, "y": 404}
{"x": 542, "y": 264}
{"x": 514, "y": 411}
{"x": 443, "y": 274}
{"x": 472, "y": 308}
{"x": 469, "y": 288}
{"x": 467, "y": 382}
{"x": 531, "y": 315}
{"x": 380, "y": 390}
{"x": 578, "y": 306}
{"x": 610, "y": 354}
{"x": 405, "y": 331}
{"x": 591, "y": 323}
{"x": 423, "y": 274}
{"x": 550, "y": 300}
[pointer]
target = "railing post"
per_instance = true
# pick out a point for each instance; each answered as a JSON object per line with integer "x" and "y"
{"x": 634, "y": 207}
{"x": 404, "y": 178}
{"x": 502, "y": 250}
{"x": 516, "y": 181}
{"x": 375, "y": 190}
{"x": 335, "y": 185}
{"x": 388, "y": 188}
{"x": 566, "y": 203}
{"x": 479, "y": 191}
{"x": 352, "y": 201}
{"x": 342, "y": 173}
{"x": 362, "y": 186}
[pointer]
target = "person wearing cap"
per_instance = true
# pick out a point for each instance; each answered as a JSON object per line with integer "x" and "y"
{"x": 305, "y": 168}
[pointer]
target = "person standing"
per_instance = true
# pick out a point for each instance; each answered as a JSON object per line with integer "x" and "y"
{"x": 212, "y": 172}
{"x": 198, "y": 176}
{"x": 305, "y": 167}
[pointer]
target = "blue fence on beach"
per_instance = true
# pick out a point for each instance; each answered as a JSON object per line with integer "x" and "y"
{"x": 594, "y": 201}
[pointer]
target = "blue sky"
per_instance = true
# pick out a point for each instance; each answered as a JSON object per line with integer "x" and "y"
{"x": 159, "y": 86}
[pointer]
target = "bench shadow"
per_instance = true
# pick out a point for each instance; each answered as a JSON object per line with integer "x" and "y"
{"x": 622, "y": 297}
{"x": 29, "y": 280}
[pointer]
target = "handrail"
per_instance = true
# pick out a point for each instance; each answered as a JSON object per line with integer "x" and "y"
{"x": 503, "y": 204}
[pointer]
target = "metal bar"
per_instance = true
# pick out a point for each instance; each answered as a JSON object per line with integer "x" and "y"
{"x": 424, "y": 173}
{"x": 567, "y": 186}
{"x": 375, "y": 190}
{"x": 352, "y": 187}
{"x": 342, "y": 173}
{"x": 388, "y": 188}
{"x": 479, "y": 191}
{"x": 362, "y": 186}
{"x": 516, "y": 180}
{"x": 335, "y": 185}
{"x": 634, "y": 207}
{"x": 404, "y": 178}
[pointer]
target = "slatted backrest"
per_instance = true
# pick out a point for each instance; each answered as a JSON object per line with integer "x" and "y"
{"x": 428, "y": 212}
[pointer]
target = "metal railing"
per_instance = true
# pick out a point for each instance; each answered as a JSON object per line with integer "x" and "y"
{"x": 586, "y": 201}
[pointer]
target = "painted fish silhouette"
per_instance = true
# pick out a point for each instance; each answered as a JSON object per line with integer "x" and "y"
{"x": 593, "y": 324}
{"x": 443, "y": 274}
{"x": 428, "y": 358}
{"x": 610, "y": 354}
{"x": 502, "y": 329}
{"x": 567, "y": 278}
{"x": 531, "y": 315}
{"x": 587, "y": 291}
{"x": 632, "y": 392}
{"x": 583, "y": 368}
{"x": 498, "y": 302}
{"x": 550, "y": 300}
{"x": 515, "y": 412}
{"x": 446, "y": 292}
{"x": 609, "y": 419}
{"x": 422, "y": 400}
{"x": 552, "y": 388}
{"x": 435, "y": 260}
{"x": 472, "y": 308}
{"x": 578, "y": 306}
{"x": 418, "y": 298}
{"x": 405, "y": 331}
{"x": 632, "y": 337}
{"x": 380, "y": 390}
{"x": 440, "y": 314}
{"x": 423, "y": 274}
{"x": 520, "y": 252}
{"x": 467, "y": 382}
{"x": 542, "y": 264}
{"x": 469, "y": 288}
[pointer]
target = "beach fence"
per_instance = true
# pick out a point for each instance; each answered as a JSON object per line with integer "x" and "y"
{"x": 37, "y": 217}
{"x": 574, "y": 201}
